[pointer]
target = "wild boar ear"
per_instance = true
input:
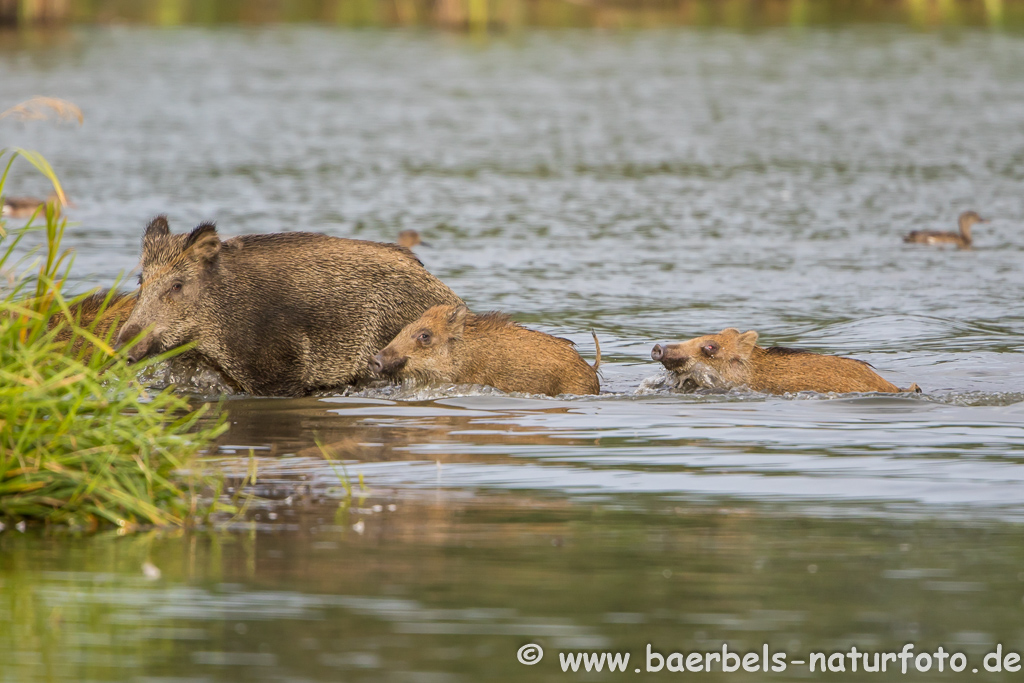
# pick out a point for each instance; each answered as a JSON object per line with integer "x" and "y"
{"x": 457, "y": 320}
{"x": 204, "y": 242}
{"x": 157, "y": 229}
{"x": 730, "y": 332}
{"x": 745, "y": 343}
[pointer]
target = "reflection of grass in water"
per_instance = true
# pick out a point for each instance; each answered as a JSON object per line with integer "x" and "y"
{"x": 81, "y": 441}
{"x": 341, "y": 472}
{"x": 639, "y": 570}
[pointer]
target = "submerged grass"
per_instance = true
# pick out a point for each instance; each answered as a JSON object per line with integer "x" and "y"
{"x": 81, "y": 441}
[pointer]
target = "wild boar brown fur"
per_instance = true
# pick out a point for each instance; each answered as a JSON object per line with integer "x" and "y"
{"x": 450, "y": 344}
{"x": 102, "y": 313}
{"x": 279, "y": 314}
{"x": 730, "y": 359}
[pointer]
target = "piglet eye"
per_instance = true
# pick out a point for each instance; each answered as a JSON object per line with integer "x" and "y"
{"x": 710, "y": 348}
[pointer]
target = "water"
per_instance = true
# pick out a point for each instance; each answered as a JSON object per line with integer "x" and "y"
{"x": 651, "y": 186}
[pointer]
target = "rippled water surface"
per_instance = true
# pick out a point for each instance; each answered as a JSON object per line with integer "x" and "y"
{"x": 651, "y": 186}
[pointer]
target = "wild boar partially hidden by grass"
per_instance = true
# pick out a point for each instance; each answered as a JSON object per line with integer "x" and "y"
{"x": 280, "y": 314}
{"x": 101, "y": 313}
{"x": 450, "y": 344}
{"x": 730, "y": 359}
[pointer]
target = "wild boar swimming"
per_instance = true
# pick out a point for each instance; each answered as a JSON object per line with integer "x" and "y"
{"x": 278, "y": 314}
{"x": 450, "y": 344}
{"x": 730, "y": 359}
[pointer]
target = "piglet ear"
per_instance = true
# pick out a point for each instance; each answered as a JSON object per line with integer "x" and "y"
{"x": 203, "y": 242}
{"x": 745, "y": 343}
{"x": 457, "y": 320}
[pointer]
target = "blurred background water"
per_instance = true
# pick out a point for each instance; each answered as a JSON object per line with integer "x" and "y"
{"x": 651, "y": 185}
{"x": 484, "y": 16}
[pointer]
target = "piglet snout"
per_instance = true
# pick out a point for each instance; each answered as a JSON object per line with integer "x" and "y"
{"x": 376, "y": 364}
{"x": 670, "y": 355}
{"x": 387, "y": 363}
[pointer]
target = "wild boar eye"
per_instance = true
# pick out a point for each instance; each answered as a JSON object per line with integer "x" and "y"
{"x": 710, "y": 348}
{"x": 176, "y": 287}
{"x": 423, "y": 337}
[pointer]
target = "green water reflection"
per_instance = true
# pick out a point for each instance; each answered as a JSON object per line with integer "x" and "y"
{"x": 449, "y": 588}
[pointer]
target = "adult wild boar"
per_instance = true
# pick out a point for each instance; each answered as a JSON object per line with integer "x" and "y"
{"x": 279, "y": 314}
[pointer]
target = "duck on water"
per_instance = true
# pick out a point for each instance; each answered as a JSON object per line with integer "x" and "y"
{"x": 23, "y": 207}
{"x": 410, "y": 239}
{"x": 961, "y": 239}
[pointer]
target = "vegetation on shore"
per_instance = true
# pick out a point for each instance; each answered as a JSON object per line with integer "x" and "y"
{"x": 502, "y": 15}
{"x": 82, "y": 443}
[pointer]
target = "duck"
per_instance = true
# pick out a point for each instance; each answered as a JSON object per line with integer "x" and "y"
{"x": 409, "y": 239}
{"x": 23, "y": 207}
{"x": 961, "y": 239}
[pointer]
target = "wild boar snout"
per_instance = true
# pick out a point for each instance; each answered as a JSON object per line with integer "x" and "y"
{"x": 387, "y": 363}
{"x": 140, "y": 350}
{"x": 376, "y": 364}
{"x": 127, "y": 332}
{"x": 671, "y": 356}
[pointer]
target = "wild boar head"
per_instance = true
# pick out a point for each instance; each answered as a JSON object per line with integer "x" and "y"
{"x": 426, "y": 349}
{"x": 714, "y": 361}
{"x": 176, "y": 272}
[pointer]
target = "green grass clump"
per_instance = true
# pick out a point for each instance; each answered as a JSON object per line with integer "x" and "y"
{"x": 81, "y": 441}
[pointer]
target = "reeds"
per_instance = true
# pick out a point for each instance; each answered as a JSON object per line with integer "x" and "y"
{"x": 43, "y": 108}
{"x": 81, "y": 441}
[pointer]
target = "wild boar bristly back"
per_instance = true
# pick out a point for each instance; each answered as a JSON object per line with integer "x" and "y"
{"x": 280, "y": 314}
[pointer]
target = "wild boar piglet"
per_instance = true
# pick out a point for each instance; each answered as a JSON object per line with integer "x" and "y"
{"x": 448, "y": 344}
{"x": 730, "y": 359}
